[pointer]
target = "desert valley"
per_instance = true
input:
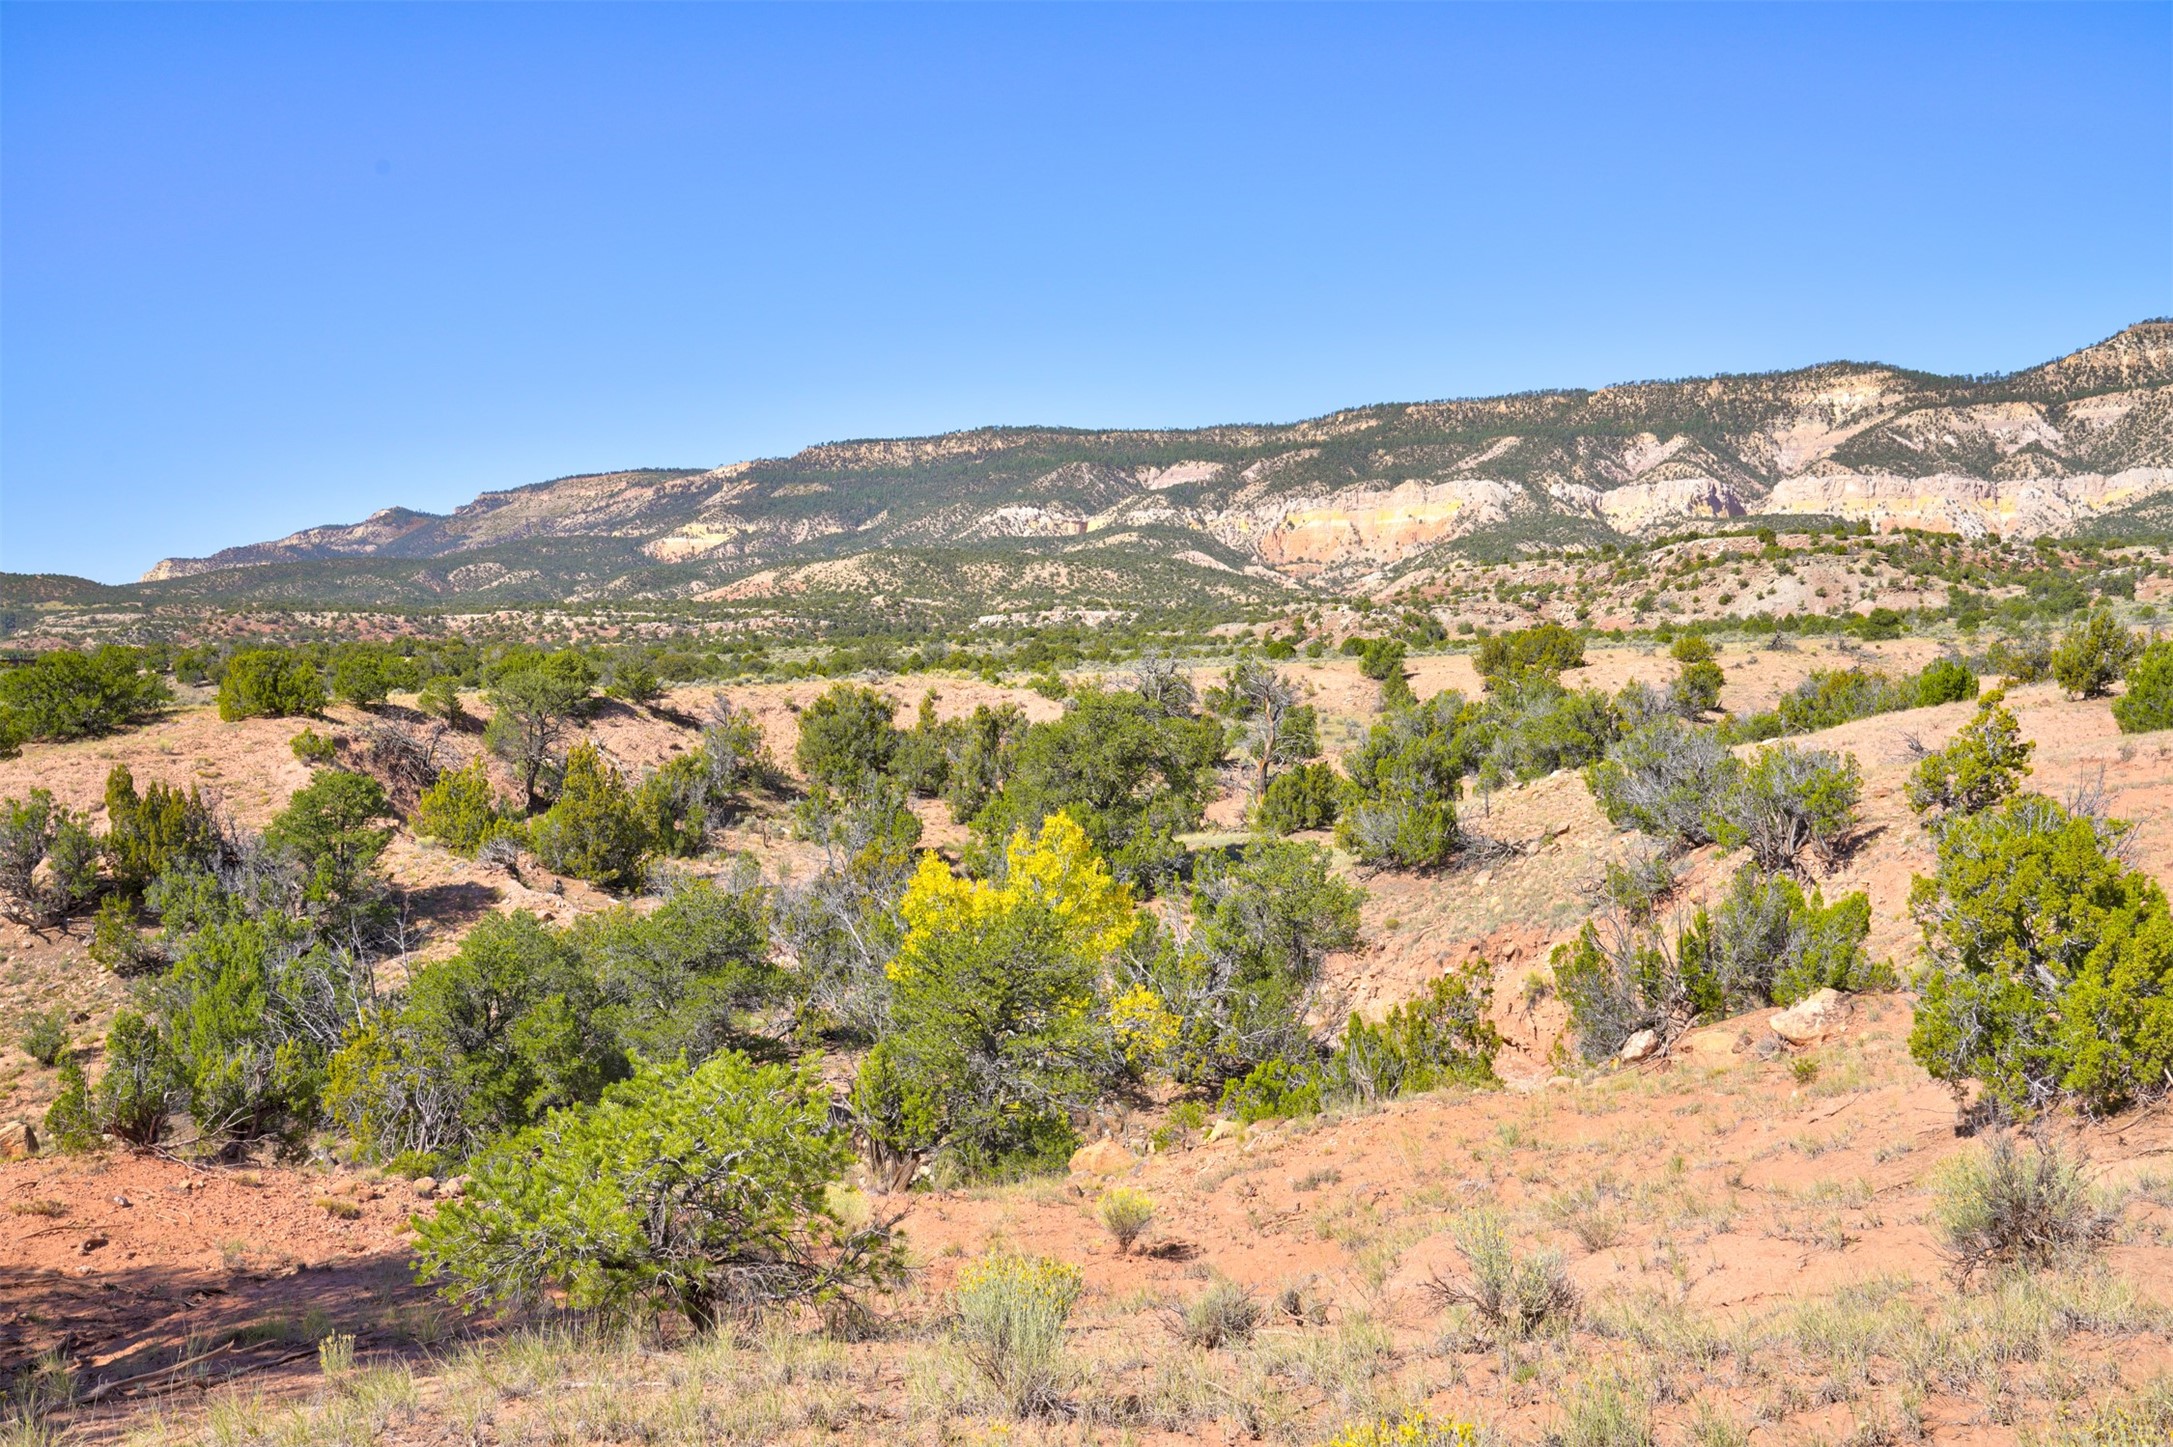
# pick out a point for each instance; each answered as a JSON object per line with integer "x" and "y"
{"x": 1597, "y": 920}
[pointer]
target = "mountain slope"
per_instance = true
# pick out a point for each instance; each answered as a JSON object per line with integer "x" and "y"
{"x": 1338, "y": 502}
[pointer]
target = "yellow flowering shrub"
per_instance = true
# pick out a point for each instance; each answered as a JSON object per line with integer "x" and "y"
{"x": 1057, "y": 870}
{"x": 1144, "y": 1026}
{"x": 998, "y": 1031}
{"x": 1414, "y": 1428}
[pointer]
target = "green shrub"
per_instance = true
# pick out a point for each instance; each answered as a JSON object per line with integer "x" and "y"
{"x": 247, "y": 1019}
{"x": 1306, "y": 797}
{"x": 1399, "y": 832}
{"x": 846, "y": 734}
{"x": 483, "y": 1044}
{"x": 734, "y": 758}
{"x": 702, "y": 1190}
{"x": 1011, "y": 1315}
{"x": 1533, "y": 727}
{"x": 1981, "y": 766}
{"x": 461, "y": 809}
{"x": 363, "y": 675}
{"x": 1131, "y": 774}
{"x": 535, "y": 698}
{"x": 1441, "y": 1037}
{"x": 314, "y": 748}
{"x": 35, "y": 831}
{"x": 1241, "y": 988}
{"x": 44, "y": 1036}
{"x": 922, "y": 760}
{"x": 1829, "y": 698}
{"x": 673, "y": 806}
{"x": 331, "y": 830}
{"x": 677, "y": 979}
{"x": 1945, "y": 680}
{"x": 115, "y": 942}
{"x": 1697, "y": 688}
{"x": 2093, "y": 655}
{"x": 1276, "y": 912}
{"x": 897, "y": 1110}
{"x": 1382, "y": 659}
{"x": 1691, "y": 648}
{"x": 69, "y": 695}
{"x": 1399, "y": 809}
{"x": 1273, "y": 1090}
{"x": 2015, "y": 1205}
{"x": 2021, "y": 660}
{"x": 1879, "y": 625}
{"x": 2048, "y": 962}
{"x": 632, "y": 680}
{"x": 159, "y": 830}
{"x": 982, "y": 755}
{"x": 1788, "y": 799}
{"x": 270, "y": 683}
{"x": 439, "y": 698}
{"x": 1765, "y": 943}
{"x": 71, "y": 1121}
{"x": 1616, "y": 982}
{"x": 2147, "y": 705}
{"x": 874, "y": 817}
{"x": 1546, "y": 651}
{"x": 137, "y": 1091}
{"x": 593, "y": 831}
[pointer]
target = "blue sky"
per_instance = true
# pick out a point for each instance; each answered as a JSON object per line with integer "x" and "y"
{"x": 266, "y": 267}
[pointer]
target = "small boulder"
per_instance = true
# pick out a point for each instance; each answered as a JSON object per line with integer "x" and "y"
{"x": 426, "y": 1186}
{"x": 1812, "y": 1018}
{"x": 1713, "y": 1048}
{"x": 1642, "y": 1046}
{"x": 1102, "y": 1158}
{"x": 18, "y": 1141}
{"x": 1222, "y": 1130}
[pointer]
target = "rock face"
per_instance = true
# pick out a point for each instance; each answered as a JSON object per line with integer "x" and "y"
{"x": 1371, "y": 526}
{"x": 18, "y": 1141}
{"x": 1972, "y": 506}
{"x": 1334, "y": 500}
{"x": 1813, "y": 1018}
{"x": 1102, "y": 1158}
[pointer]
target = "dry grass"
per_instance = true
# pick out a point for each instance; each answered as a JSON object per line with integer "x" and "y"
{"x": 2040, "y": 1351}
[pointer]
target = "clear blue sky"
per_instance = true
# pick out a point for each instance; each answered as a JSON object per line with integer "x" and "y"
{"x": 266, "y": 267}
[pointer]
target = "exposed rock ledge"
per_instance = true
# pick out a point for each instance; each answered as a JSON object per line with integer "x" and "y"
{"x": 1972, "y": 506}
